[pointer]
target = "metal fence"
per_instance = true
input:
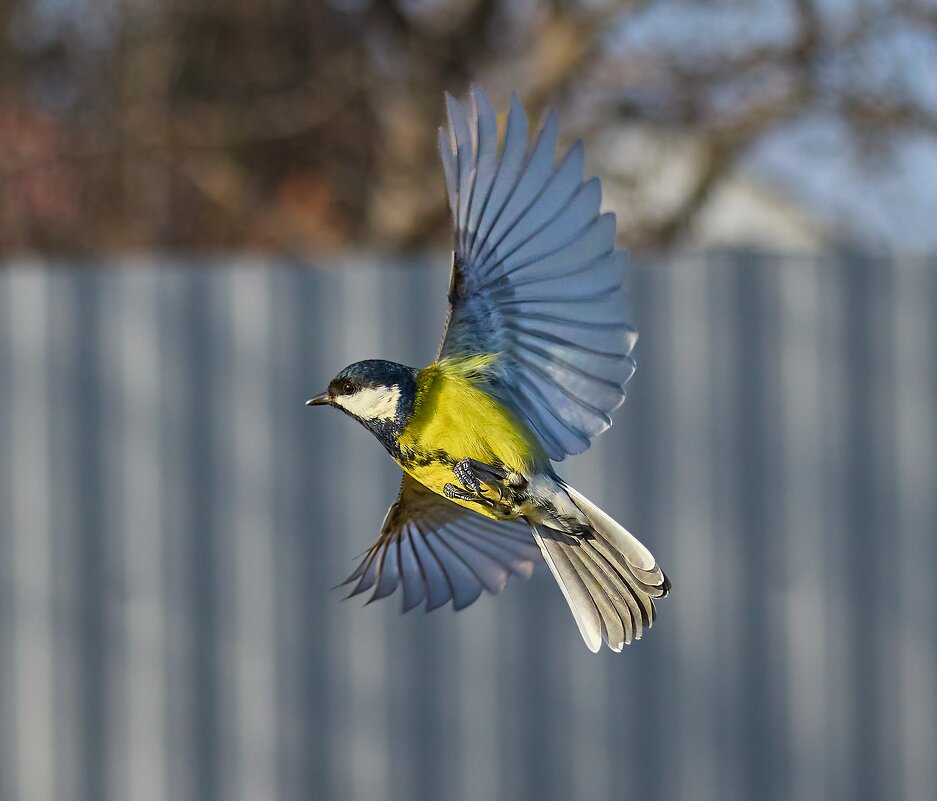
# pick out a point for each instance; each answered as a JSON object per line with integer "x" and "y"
{"x": 172, "y": 517}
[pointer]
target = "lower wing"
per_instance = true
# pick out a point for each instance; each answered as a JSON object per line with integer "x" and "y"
{"x": 438, "y": 551}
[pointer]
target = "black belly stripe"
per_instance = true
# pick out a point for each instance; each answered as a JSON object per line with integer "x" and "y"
{"x": 414, "y": 458}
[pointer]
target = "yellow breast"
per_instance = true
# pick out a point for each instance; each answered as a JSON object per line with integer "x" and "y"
{"x": 456, "y": 418}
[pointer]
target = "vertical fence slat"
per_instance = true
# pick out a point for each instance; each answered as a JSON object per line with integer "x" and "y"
{"x": 696, "y": 562}
{"x": 141, "y": 514}
{"x": 916, "y": 535}
{"x": 67, "y": 508}
{"x": 729, "y": 565}
{"x": 118, "y": 588}
{"x": 177, "y": 479}
{"x": 802, "y": 578}
{"x": 755, "y": 533}
{"x": 205, "y": 560}
{"x": 33, "y": 715}
{"x": 244, "y": 411}
{"x": 8, "y": 619}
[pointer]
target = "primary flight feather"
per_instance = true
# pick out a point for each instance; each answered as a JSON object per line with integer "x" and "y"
{"x": 535, "y": 356}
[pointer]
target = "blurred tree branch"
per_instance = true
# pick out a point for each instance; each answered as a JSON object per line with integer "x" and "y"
{"x": 308, "y": 124}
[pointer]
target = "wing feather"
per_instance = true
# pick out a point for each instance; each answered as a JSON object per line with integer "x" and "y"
{"x": 439, "y": 552}
{"x": 532, "y": 181}
{"x": 486, "y": 161}
{"x": 505, "y": 181}
{"x": 413, "y": 579}
{"x": 536, "y": 277}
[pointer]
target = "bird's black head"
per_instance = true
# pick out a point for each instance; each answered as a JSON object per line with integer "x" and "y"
{"x": 379, "y": 394}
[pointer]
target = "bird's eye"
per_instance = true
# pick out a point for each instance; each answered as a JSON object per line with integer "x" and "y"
{"x": 347, "y": 387}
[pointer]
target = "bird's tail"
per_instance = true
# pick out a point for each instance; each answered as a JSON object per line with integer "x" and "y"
{"x": 610, "y": 580}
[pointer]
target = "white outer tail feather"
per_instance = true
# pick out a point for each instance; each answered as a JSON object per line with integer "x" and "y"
{"x": 610, "y": 580}
{"x": 627, "y": 543}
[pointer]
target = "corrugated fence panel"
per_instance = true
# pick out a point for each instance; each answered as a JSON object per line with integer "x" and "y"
{"x": 172, "y": 519}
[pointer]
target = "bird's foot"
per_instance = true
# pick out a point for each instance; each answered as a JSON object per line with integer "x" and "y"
{"x": 453, "y": 492}
{"x": 501, "y": 509}
{"x": 475, "y": 476}
{"x": 468, "y": 477}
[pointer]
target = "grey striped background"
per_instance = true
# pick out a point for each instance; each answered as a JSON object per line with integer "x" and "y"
{"x": 172, "y": 516}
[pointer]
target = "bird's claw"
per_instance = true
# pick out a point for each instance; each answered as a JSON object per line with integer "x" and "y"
{"x": 452, "y": 492}
{"x": 475, "y": 476}
{"x": 464, "y": 471}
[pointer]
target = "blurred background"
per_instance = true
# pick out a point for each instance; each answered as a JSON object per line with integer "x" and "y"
{"x": 208, "y": 208}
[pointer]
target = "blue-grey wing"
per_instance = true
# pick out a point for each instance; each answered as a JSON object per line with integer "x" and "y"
{"x": 438, "y": 551}
{"x": 536, "y": 277}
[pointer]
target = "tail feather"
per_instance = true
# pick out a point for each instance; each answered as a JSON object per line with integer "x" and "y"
{"x": 605, "y": 596}
{"x": 609, "y": 578}
{"x": 573, "y": 586}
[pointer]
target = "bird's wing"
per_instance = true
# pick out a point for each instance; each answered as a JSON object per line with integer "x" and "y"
{"x": 535, "y": 277}
{"x": 437, "y": 551}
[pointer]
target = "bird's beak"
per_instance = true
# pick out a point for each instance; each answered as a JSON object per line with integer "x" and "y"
{"x": 319, "y": 400}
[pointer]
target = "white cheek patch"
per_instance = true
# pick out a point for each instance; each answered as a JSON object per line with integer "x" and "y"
{"x": 371, "y": 403}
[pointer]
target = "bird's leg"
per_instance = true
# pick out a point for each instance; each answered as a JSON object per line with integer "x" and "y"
{"x": 472, "y": 473}
{"x": 453, "y": 492}
{"x": 500, "y": 508}
{"x": 465, "y": 472}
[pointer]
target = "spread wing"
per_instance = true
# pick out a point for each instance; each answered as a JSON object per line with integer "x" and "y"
{"x": 535, "y": 276}
{"x": 437, "y": 551}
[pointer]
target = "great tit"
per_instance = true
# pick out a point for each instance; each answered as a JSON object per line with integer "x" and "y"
{"x": 535, "y": 355}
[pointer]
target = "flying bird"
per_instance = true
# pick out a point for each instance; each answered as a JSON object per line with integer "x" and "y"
{"x": 535, "y": 355}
